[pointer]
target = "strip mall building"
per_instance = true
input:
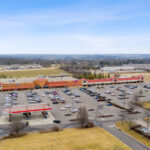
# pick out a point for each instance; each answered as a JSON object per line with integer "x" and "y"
{"x": 44, "y": 83}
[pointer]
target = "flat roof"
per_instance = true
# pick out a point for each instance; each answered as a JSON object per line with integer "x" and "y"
{"x": 26, "y": 108}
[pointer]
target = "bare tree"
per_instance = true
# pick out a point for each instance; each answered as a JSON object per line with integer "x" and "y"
{"x": 131, "y": 106}
{"x": 82, "y": 116}
{"x": 124, "y": 97}
{"x": 140, "y": 93}
{"x": 136, "y": 99}
{"x": 147, "y": 115}
{"x": 16, "y": 126}
{"x": 123, "y": 117}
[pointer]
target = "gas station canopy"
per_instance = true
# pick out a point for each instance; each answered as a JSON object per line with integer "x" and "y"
{"x": 26, "y": 108}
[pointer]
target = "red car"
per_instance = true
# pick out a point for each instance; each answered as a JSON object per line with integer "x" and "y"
{"x": 62, "y": 102}
{"x": 55, "y": 100}
{"x": 55, "y": 93}
{"x": 99, "y": 100}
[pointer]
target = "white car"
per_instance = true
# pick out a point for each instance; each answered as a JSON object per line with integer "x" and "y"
{"x": 43, "y": 95}
{"x": 73, "y": 110}
{"x": 72, "y": 97}
{"x": 49, "y": 95}
{"x": 78, "y": 101}
{"x": 108, "y": 92}
{"x": 8, "y": 95}
{"x": 130, "y": 93}
{"x": 62, "y": 99}
{"x": 15, "y": 103}
{"x": 8, "y": 101}
{"x": 68, "y": 106}
{"x": 7, "y": 105}
{"x": 7, "y": 98}
{"x": 67, "y": 114}
{"x": 62, "y": 108}
{"x": 32, "y": 101}
{"x": 121, "y": 94}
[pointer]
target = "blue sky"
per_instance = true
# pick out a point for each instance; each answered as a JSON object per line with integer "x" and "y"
{"x": 74, "y": 26}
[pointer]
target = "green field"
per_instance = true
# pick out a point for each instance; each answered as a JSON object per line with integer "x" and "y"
{"x": 32, "y": 73}
{"x": 68, "y": 139}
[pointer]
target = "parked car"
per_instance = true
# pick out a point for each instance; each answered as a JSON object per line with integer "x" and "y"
{"x": 122, "y": 97}
{"x": 112, "y": 86}
{"x": 7, "y": 105}
{"x": 15, "y": 103}
{"x": 62, "y": 101}
{"x": 91, "y": 94}
{"x": 31, "y": 101}
{"x": 108, "y": 92}
{"x": 43, "y": 95}
{"x": 91, "y": 109}
{"x": 62, "y": 108}
{"x": 47, "y": 92}
{"x": 78, "y": 101}
{"x": 73, "y": 110}
{"x": 56, "y": 102}
{"x": 130, "y": 93}
{"x": 76, "y": 94}
{"x": 56, "y": 121}
{"x": 72, "y": 97}
{"x": 69, "y": 93}
{"x": 67, "y": 114}
{"x": 109, "y": 104}
{"x": 68, "y": 106}
{"x": 65, "y": 90}
{"x": 96, "y": 97}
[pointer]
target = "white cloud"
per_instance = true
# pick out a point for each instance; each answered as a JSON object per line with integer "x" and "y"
{"x": 74, "y": 44}
{"x": 53, "y": 44}
{"x": 56, "y": 18}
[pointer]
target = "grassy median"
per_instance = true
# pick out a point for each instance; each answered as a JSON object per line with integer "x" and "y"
{"x": 125, "y": 127}
{"x": 146, "y": 104}
{"x": 68, "y": 139}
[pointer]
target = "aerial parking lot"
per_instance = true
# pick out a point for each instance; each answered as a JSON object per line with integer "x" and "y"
{"x": 116, "y": 93}
{"x": 66, "y": 101}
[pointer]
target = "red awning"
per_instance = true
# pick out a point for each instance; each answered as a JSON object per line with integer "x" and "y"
{"x": 14, "y": 88}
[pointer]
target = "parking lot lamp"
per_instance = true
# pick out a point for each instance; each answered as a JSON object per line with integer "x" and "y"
{"x": 124, "y": 97}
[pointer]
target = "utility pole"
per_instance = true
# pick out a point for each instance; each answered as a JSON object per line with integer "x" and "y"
{"x": 124, "y": 97}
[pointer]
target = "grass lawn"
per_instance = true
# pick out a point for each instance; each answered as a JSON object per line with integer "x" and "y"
{"x": 68, "y": 139}
{"x": 32, "y": 73}
{"x": 145, "y": 104}
{"x": 147, "y": 119}
{"x": 125, "y": 127}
